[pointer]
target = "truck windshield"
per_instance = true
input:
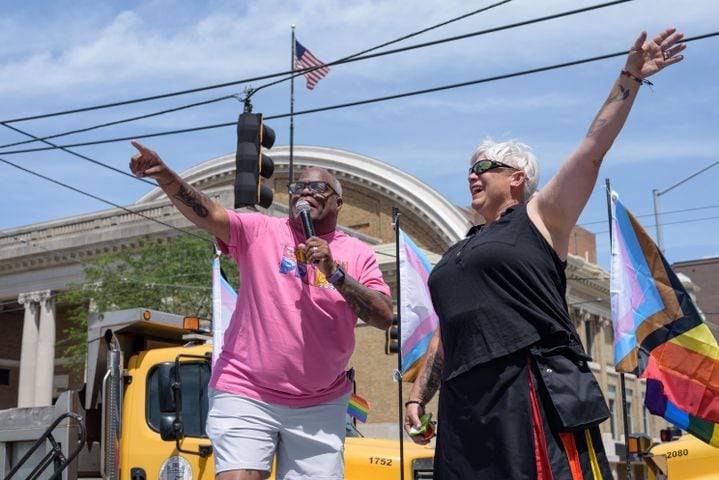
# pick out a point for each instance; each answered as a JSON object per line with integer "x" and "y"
{"x": 195, "y": 377}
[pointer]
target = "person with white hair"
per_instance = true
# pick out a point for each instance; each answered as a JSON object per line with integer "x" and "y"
{"x": 518, "y": 400}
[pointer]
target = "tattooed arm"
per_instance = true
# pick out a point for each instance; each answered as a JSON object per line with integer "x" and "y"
{"x": 373, "y": 307}
{"x": 192, "y": 203}
{"x": 556, "y": 208}
{"x": 426, "y": 385}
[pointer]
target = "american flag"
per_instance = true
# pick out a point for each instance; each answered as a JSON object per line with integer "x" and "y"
{"x": 305, "y": 59}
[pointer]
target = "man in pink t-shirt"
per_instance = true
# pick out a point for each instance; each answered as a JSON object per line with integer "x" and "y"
{"x": 279, "y": 386}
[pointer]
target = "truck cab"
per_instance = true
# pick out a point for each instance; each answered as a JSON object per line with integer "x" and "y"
{"x": 145, "y": 403}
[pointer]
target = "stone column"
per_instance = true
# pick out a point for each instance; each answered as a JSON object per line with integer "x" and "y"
{"x": 45, "y": 366}
{"x": 28, "y": 352}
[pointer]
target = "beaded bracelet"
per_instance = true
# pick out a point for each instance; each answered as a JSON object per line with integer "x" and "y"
{"x": 410, "y": 402}
{"x": 640, "y": 81}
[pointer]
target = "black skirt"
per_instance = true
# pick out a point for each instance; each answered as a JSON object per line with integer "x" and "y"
{"x": 486, "y": 429}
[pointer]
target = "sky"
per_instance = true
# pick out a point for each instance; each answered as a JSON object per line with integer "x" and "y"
{"x": 63, "y": 55}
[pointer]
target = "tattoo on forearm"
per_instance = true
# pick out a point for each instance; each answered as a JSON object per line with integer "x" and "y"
{"x": 619, "y": 96}
{"x": 193, "y": 199}
{"x": 365, "y": 303}
{"x": 596, "y": 125}
{"x": 432, "y": 376}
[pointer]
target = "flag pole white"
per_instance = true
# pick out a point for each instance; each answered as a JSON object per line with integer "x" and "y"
{"x": 622, "y": 380}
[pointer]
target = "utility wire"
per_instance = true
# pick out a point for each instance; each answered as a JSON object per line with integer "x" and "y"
{"x": 79, "y": 155}
{"x": 95, "y": 197}
{"x": 359, "y": 102}
{"x": 397, "y": 40}
{"x": 683, "y": 210}
{"x": 108, "y": 124}
{"x": 693, "y": 220}
{"x": 290, "y": 72}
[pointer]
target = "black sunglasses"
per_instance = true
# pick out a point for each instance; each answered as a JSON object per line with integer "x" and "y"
{"x": 481, "y": 166}
{"x": 295, "y": 188}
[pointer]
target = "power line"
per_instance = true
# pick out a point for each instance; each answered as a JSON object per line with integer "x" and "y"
{"x": 79, "y": 155}
{"x": 291, "y": 72}
{"x": 678, "y": 222}
{"x": 683, "y": 210}
{"x": 108, "y": 124}
{"x": 397, "y": 40}
{"x": 95, "y": 197}
{"x": 353, "y": 104}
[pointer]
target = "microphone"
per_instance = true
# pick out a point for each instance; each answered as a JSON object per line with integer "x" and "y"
{"x": 303, "y": 208}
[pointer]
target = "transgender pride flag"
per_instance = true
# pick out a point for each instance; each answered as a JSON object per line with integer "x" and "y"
{"x": 224, "y": 298}
{"x": 659, "y": 334}
{"x": 418, "y": 318}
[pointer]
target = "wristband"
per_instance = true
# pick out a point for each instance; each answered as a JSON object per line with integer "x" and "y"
{"x": 411, "y": 402}
{"x": 640, "y": 81}
{"x": 338, "y": 276}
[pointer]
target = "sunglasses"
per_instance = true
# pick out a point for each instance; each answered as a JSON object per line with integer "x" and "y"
{"x": 297, "y": 188}
{"x": 481, "y": 166}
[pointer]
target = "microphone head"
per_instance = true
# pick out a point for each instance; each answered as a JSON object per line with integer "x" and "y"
{"x": 303, "y": 206}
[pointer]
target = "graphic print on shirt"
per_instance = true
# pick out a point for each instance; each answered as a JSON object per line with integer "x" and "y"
{"x": 293, "y": 262}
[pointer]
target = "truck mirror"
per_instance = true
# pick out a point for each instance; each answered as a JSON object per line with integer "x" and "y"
{"x": 166, "y": 383}
{"x": 170, "y": 427}
{"x": 639, "y": 443}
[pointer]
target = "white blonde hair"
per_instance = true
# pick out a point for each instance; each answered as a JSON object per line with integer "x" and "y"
{"x": 514, "y": 154}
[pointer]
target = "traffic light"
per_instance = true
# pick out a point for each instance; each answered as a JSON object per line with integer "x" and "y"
{"x": 250, "y": 163}
{"x": 669, "y": 434}
{"x": 391, "y": 336}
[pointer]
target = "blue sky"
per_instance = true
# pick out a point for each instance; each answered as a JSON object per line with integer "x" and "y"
{"x": 63, "y": 55}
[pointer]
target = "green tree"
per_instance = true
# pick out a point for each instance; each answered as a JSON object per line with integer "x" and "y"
{"x": 171, "y": 275}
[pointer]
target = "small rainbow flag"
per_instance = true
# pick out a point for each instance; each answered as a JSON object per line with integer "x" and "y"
{"x": 358, "y": 407}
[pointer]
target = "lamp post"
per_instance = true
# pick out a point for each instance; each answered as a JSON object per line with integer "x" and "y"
{"x": 656, "y": 193}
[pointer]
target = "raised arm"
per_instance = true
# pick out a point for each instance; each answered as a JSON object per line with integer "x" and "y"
{"x": 192, "y": 203}
{"x": 556, "y": 208}
{"x": 426, "y": 385}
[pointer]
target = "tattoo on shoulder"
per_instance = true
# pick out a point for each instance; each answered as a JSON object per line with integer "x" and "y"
{"x": 193, "y": 199}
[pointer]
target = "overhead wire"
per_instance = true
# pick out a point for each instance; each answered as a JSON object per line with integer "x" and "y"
{"x": 109, "y": 124}
{"x": 337, "y": 62}
{"x": 95, "y": 197}
{"x": 386, "y": 44}
{"x": 356, "y": 103}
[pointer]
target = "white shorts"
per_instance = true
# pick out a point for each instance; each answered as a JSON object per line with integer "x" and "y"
{"x": 247, "y": 433}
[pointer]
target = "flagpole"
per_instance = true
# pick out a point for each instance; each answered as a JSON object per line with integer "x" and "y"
{"x": 398, "y": 376}
{"x": 292, "y": 109}
{"x": 622, "y": 381}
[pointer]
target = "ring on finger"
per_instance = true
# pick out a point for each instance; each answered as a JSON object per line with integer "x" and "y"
{"x": 666, "y": 54}
{"x": 315, "y": 249}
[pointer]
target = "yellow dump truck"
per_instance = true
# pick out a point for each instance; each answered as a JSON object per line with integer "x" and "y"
{"x": 143, "y": 409}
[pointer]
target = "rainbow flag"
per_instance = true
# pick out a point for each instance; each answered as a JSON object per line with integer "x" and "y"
{"x": 659, "y": 334}
{"x": 358, "y": 407}
{"x": 419, "y": 321}
{"x": 224, "y": 298}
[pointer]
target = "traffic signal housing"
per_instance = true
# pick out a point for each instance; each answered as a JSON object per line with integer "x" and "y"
{"x": 391, "y": 336}
{"x": 250, "y": 163}
{"x": 670, "y": 434}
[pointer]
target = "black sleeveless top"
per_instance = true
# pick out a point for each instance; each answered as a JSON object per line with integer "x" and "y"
{"x": 498, "y": 291}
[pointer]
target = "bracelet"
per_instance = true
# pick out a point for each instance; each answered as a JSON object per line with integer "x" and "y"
{"x": 640, "y": 81}
{"x": 411, "y": 402}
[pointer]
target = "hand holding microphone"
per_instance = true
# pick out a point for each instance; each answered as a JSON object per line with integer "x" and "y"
{"x": 303, "y": 208}
{"x": 317, "y": 251}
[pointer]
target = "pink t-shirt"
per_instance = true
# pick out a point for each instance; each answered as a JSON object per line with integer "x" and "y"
{"x": 292, "y": 333}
